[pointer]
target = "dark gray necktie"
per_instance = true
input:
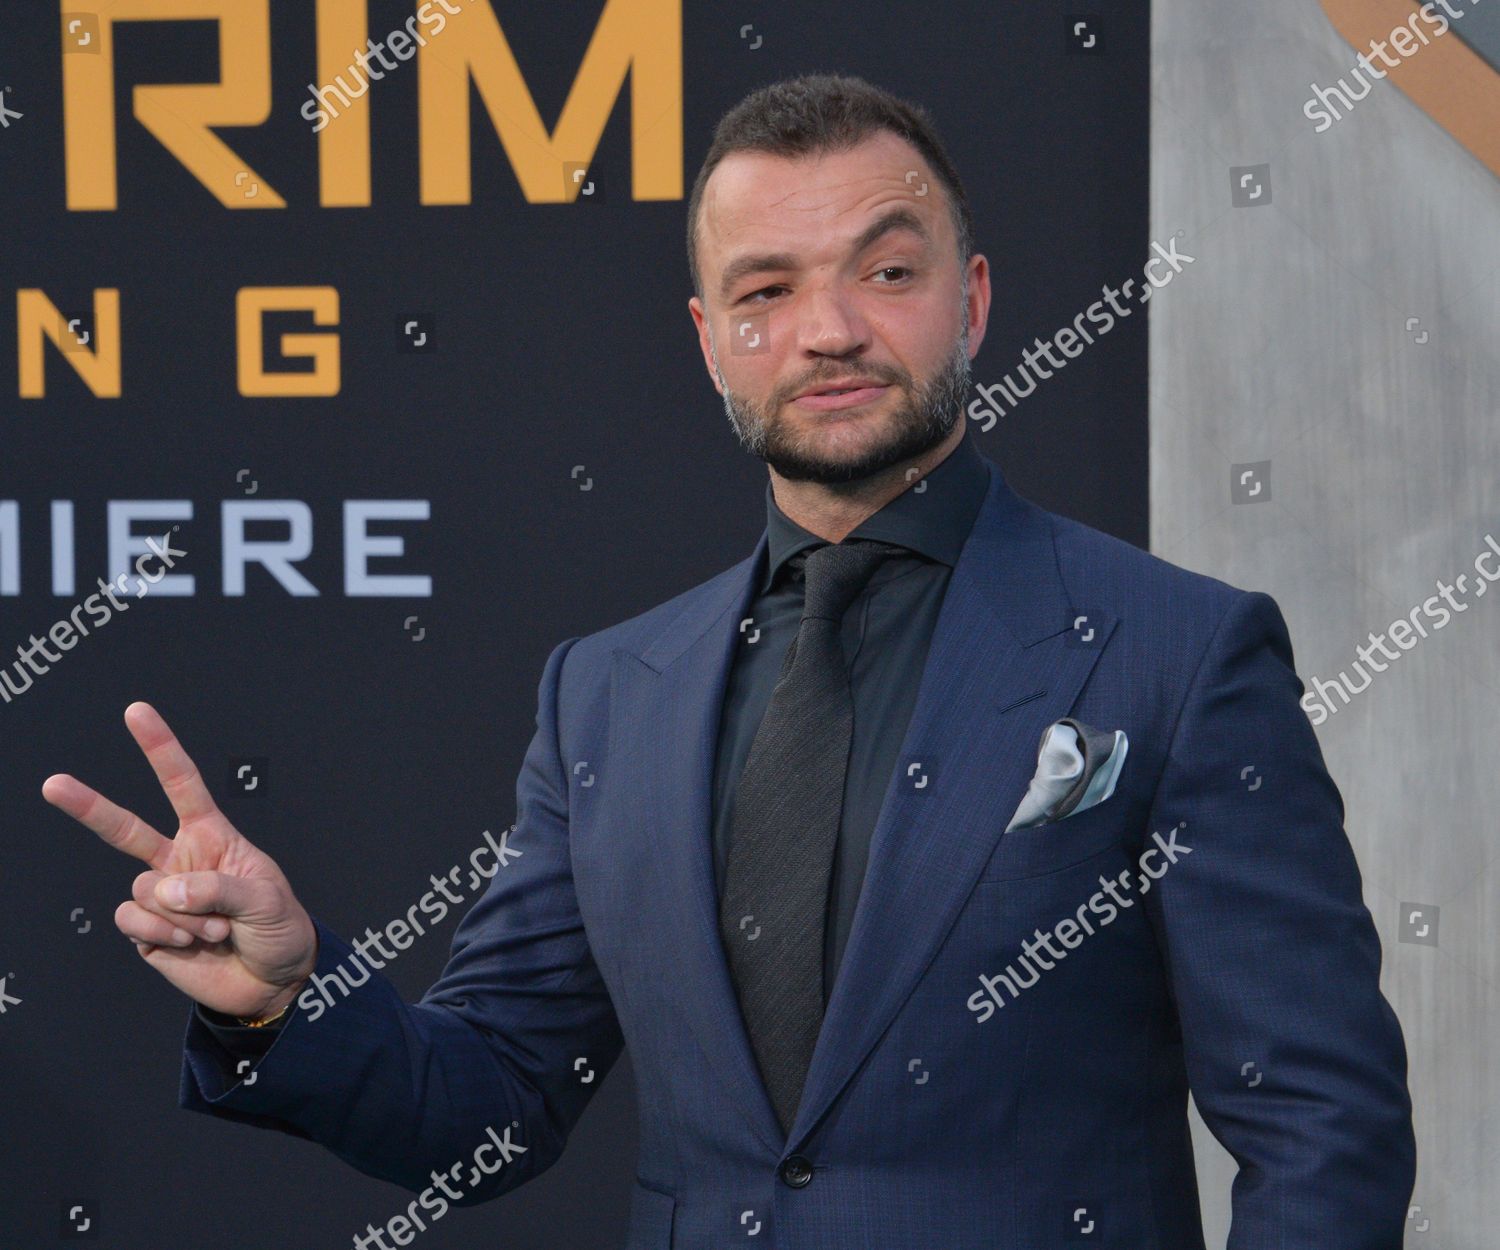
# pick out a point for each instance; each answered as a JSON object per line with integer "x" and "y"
{"x": 785, "y": 823}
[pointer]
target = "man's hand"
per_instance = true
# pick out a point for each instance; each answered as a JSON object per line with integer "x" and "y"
{"x": 235, "y": 939}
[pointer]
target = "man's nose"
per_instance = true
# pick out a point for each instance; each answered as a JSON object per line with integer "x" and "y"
{"x": 829, "y": 324}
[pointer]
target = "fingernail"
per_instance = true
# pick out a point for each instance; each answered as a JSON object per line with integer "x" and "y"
{"x": 174, "y": 893}
{"x": 181, "y": 937}
{"x": 217, "y": 929}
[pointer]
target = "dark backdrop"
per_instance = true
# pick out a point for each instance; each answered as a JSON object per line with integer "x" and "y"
{"x": 558, "y": 336}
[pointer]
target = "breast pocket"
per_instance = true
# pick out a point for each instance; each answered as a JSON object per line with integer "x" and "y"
{"x": 1059, "y": 844}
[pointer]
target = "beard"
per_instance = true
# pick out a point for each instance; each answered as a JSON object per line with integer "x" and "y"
{"x": 925, "y": 417}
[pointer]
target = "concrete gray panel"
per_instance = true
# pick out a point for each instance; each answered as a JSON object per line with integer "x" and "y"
{"x": 1343, "y": 326}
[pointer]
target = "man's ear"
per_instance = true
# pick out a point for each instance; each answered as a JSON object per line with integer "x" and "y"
{"x": 979, "y": 300}
{"x": 700, "y": 320}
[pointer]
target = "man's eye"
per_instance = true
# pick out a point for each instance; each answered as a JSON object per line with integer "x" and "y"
{"x": 901, "y": 269}
{"x": 749, "y": 299}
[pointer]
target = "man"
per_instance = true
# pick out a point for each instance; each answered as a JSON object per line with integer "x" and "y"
{"x": 790, "y": 835}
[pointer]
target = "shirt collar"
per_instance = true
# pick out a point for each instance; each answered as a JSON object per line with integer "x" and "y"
{"x": 933, "y": 521}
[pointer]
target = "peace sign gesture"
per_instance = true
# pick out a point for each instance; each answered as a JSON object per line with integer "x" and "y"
{"x": 212, "y": 913}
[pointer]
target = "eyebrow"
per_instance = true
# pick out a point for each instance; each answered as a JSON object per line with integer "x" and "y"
{"x": 899, "y": 218}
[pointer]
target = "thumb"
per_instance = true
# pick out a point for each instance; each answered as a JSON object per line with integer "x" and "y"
{"x": 199, "y": 893}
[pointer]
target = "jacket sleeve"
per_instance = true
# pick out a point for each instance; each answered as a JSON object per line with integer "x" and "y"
{"x": 507, "y": 1046}
{"x": 1293, "y": 1055}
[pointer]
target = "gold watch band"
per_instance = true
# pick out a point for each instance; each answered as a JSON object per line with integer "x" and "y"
{"x": 260, "y": 1024}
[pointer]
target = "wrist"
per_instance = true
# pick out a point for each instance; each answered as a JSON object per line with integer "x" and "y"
{"x": 282, "y": 1002}
{"x": 276, "y": 1009}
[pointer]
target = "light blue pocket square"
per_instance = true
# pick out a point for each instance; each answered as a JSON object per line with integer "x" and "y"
{"x": 1076, "y": 767}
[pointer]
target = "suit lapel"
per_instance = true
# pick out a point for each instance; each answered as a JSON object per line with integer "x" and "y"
{"x": 672, "y": 694}
{"x": 1003, "y": 664}
{"x": 1001, "y": 667}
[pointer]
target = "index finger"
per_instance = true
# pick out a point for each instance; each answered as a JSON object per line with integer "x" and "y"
{"x": 179, "y": 776}
{"x": 123, "y": 830}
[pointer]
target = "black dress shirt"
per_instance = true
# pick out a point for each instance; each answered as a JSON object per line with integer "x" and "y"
{"x": 886, "y": 632}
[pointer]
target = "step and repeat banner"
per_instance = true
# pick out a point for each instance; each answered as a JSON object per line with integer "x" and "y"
{"x": 346, "y": 368}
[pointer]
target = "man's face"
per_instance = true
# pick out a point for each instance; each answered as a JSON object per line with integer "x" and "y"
{"x": 847, "y": 273}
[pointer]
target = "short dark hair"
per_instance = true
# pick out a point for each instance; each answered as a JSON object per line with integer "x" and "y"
{"x": 819, "y": 113}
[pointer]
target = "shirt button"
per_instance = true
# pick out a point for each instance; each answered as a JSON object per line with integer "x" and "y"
{"x": 796, "y": 1171}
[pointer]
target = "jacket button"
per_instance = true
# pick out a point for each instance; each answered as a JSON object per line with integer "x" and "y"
{"x": 796, "y": 1171}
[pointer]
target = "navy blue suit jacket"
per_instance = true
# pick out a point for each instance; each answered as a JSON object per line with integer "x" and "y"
{"x": 1247, "y": 971}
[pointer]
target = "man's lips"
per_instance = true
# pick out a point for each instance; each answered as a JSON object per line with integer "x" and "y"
{"x": 849, "y": 399}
